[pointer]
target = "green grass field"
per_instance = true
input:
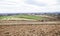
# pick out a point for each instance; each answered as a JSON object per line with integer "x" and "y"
{"x": 22, "y": 16}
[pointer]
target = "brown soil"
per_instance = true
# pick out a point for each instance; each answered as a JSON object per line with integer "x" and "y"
{"x": 11, "y": 22}
{"x": 29, "y": 30}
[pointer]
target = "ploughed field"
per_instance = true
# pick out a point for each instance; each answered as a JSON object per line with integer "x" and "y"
{"x": 30, "y": 30}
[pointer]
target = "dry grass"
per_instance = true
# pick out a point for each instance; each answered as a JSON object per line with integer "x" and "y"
{"x": 29, "y": 30}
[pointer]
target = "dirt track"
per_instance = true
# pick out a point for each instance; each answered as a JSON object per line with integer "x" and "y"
{"x": 12, "y": 22}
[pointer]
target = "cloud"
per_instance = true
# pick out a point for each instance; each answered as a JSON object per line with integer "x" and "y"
{"x": 33, "y": 2}
{"x": 41, "y": 2}
{"x": 58, "y": 2}
{"x": 18, "y": 6}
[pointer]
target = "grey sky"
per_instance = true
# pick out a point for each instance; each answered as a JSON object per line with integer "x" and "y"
{"x": 19, "y": 6}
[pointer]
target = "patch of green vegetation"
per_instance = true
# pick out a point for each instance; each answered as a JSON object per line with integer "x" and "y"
{"x": 23, "y": 16}
{"x": 5, "y": 17}
{"x": 1, "y": 17}
{"x": 30, "y": 17}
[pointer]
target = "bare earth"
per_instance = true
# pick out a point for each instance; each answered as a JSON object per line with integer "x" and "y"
{"x": 17, "y": 22}
{"x": 13, "y": 28}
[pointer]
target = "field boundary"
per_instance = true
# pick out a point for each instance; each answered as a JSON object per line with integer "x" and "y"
{"x": 18, "y": 22}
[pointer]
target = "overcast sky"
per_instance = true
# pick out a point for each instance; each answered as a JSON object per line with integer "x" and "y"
{"x": 23, "y": 6}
